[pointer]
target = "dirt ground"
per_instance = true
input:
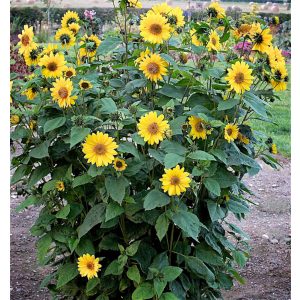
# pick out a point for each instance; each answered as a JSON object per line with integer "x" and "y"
{"x": 267, "y": 272}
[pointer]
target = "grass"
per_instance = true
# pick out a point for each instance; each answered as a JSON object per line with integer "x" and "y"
{"x": 281, "y": 131}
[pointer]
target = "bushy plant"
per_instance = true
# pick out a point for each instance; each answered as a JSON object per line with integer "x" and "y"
{"x": 135, "y": 149}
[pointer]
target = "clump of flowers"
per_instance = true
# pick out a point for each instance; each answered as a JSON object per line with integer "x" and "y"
{"x": 135, "y": 146}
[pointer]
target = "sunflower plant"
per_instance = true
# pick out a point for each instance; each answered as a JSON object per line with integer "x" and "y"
{"x": 135, "y": 147}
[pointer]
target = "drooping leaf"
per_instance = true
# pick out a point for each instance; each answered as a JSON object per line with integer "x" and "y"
{"x": 41, "y": 150}
{"x": 113, "y": 210}
{"x": 161, "y": 226}
{"x": 133, "y": 274}
{"x": 66, "y": 273}
{"x": 215, "y": 211}
{"x": 81, "y": 180}
{"x": 116, "y": 187}
{"x": 30, "y": 200}
{"x": 213, "y": 186}
{"x": 172, "y": 159}
{"x": 54, "y": 123}
{"x": 201, "y": 155}
{"x": 154, "y": 199}
{"x": 143, "y": 291}
{"x": 78, "y": 134}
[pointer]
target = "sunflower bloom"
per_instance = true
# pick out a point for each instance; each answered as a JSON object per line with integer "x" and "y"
{"x": 273, "y": 149}
{"x": 99, "y": 149}
{"x": 52, "y": 65}
{"x": 199, "y": 128}
{"x": 31, "y": 93}
{"x": 243, "y": 139}
{"x": 214, "y": 42}
{"x": 280, "y": 77}
{"x": 15, "y": 119}
{"x": 163, "y": 9}
{"x": 216, "y": 11}
{"x": 231, "y": 132}
{"x": 176, "y": 18}
{"x": 74, "y": 27}
{"x": 142, "y": 56}
{"x": 119, "y": 164}
{"x": 85, "y": 84}
{"x": 152, "y": 128}
{"x": 26, "y": 38}
{"x": 195, "y": 40}
{"x": 134, "y": 3}
{"x": 92, "y": 43}
{"x": 154, "y": 67}
{"x": 275, "y": 57}
{"x": 33, "y": 54}
{"x": 66, "y": 37}
{"x": 239, "y": 77}
{"x": 51, "y": 48}
{"x": 175, "y": 181}
{"x": 69, "y": 72}
{"x": 155, "y": 28}
{"x": 60, "y": 186}
{"x": 88, "y": 266}
{"x": 69, "y": 18}
{"x": 261, "y": 38}
{"x": 61, "y": 92}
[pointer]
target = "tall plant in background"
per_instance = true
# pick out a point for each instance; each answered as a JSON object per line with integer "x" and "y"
{"x": 135, "y": 148}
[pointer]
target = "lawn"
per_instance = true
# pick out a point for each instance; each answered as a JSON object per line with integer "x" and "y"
{"x": 281, "y": 131}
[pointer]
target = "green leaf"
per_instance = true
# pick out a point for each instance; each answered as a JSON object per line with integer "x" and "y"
{"x": 159, "y": 286}
{"x": 113, "y": 210}
{"x": 143, "y": 291}
{"x": 172, "y": 147}
{"x": 176, "y": 125}
{"x": 201, "y": 155}
{"x": 54, "y": 123}
{"x": 66, "y": 273}
{"x": 108, "y": 106}
{"x": 237, "y": 206}
{"x": 134, "y": 84}
{"x": 92, "y": 283}
{"x": 228, "y": 104}
{"x": 109, "y": 44}
{"x": 42, "y": 248}
{"x": 161, "y": 226}
{"x": 95, "y": 171}
{"x": 213, "y": 186}
{"x": 172, "y": 91}
{"x": 127, "y": 147}
{"x": 188, "y": 222}
{"x": 172, "y": 159}
{"x": 95, "y": 216}
{"x": 138, "y": 139}
{"x": 208, "y": 255}
{"x": 84, "y": 246}
{"x": 224, "y": 178}
{"x": 215, "y": 211}
{"x": 116, "y": 267}
{"x": 199, "y": 268}
{"x": 18, "y": 174}
{"x": 116, "y": 187}
{"x": 168, "y": 296}
{"x": 78, "y": 134}
{"x": 154, "y": 199}
{"x": 158, "y": 155}
{"x": 40, "y": 151}
{"x": 255, "y": 103}
{"x": 63, "y": 213}
{"x": 133, "y": 248}
{"x": 81, "y": 180}
{"x": 49, "y": 186}
{"x": 37, "y": 174}
{"x": 133, "y": 274}
{"x": 240, "y": 258}
{"x": 171, "y": 273}
{"x": 220, "y": 154}
{"x": 31, "y": 200}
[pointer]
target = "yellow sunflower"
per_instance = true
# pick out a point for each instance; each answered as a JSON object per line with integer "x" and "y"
{"x": 152, "y": 128}
{"x": 275, "y": 57}
{"x": 242, "y": 31}
{"x": 199, "y": 128}
{"x": 214, "y": 42}
{"x": 176, "y": 18}
{"x": 231, "y": 132}
{"x": 88, "y": 266}
{"x": 60, "y": 186}
{"x": 154, "y": 67}
{"x": 61, "y": 92}
{"x": 164, "y": 9}
{"x": 52, "y": 65}
{"x": 154, "y": 28}
{"x": 175, "y": 181}
{"x": 31, "y": 93}
{"x": 195, "y": 40}
{"x": 134, "y": 3}
{"x": 32, "y": 124}
{"x": 51, "y": 48}
{"x": 280, "y": 77}
{"x": 26, "y": 38}
{"x": 242, "y": 138}
{"x": 273, "y": 149}
{"x": 142, "y": 56}
{"x": 15, "y": 119}
{"x": 66, "y": 37}
{"x": 119, "y": 164}
{"x": 85, "y": 84}
{"x": 99, "y": 149}
{"x": 10, "y": 89}
{"x": 74, "y": 27}
{"x": 91, "y": 42}
{"x": 33, "y": 54}
{"x": 261, "y": 38}
{"x": 69, "y": 18}
{"x": 239, "y": 77}
{"x": 69, "y": 72}
{"x": 216, "y": 11}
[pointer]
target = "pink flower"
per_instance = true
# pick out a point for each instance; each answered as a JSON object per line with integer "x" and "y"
{"x": 89, "y": 14}
{"x": 243, "y": 46}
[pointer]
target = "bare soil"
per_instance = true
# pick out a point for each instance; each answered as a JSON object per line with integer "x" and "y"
{"x": 267, "y": 272}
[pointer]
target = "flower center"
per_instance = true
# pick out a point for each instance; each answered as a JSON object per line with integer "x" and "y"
{"x": 52, "y": 66}
{"x": 65, "y": 39}
{"x": 119, "y": 164}
{"x": 259, "y": 38}
{"x": 90, "y": 266}
{"x": 153, "y": 68}
{"x": 63, "y": 92}
{"x": 25, "y": 40}
{"x": 156, "y": 29}
{"x": 153, "y": 128}
{"x": 71, "y": 20}
{"x": 84, "y": 85}
{"x": 100, "y": 149}
{"x": 229, "y": 131}
{"x": 199, "y": 126}
{"x": 213, "y": 40}
{"x": 239, "y": 78}
{"x": 175, "y": 180}
{"x": 69, "y": 73}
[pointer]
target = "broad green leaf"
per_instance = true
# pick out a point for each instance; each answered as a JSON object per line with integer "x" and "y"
{"x": 78, "y": 134}
{"x": 215, "y": 211}
{"x": 208, "y": 255}
{"x": 201, "y": 155}
{"x": 224, "y": 178}
{"x": 126, "y": 147}
{"x": 171, "y": 273}
{"x": 172, "y": 159}
{"x": 49, "y": 186}
{"x": 54, "y": 123}
{"x": 240, "y": 258}
{"x": 228, "y": 104}
{"x": 37, "y": 174}
{"x": 84, "y": 246}
{"x": 154, "y": 199}
{"x": 161, "y": 226}
{"x": 158, "y": 155}
{"x": 168, "y": 296}
{"x": 213, "y": 186}
{"x": 255, "y": 103}
{"x": 94, "y": 217}
{"x": 42, "y": 248}
{"x": 220, "y": 154}
{"x": 133, "y": 248}
{"x": 40, "y": 151}
{"x": 116, "y": 267}
{"x": 113, "y": 210}
{"x": 176, "y": 125}
{"x": 66, "y": 273}
{"x": 63, "y": 213}
{"x": 92, "y": 283}
{"x": 172, "y": 91}
{"x": 159, "y": 286}
{"x": 143, "y": 291}
{"x": 108, "y": 106}
{"x": 133, "y": 274}
{"x": 136, "y": 83}
{"x": 138, "y": 139}
{"x": 199, "y": 268}
{"x": 173, "y": 147}
{"x": 237, "y": 206}
{"x": 81, "y": 180}
{"x": 19, "y": 173}
{"x": 116, "y": 187}
{"x": 109, "y": 44}
{"x": 95, "y": 171}
{"x": 30, "y": 200}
